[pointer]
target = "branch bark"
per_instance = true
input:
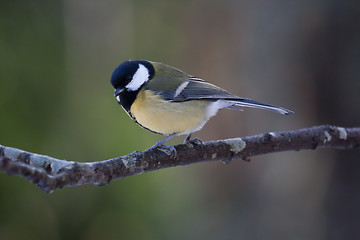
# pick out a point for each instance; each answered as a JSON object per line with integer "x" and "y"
{"x": 50, "y": 174}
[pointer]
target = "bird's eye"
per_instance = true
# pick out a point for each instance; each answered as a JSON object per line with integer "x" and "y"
{"x": 129, "y": 78}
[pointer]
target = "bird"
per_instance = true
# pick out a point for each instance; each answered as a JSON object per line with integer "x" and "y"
{"x": 170, "y": 102}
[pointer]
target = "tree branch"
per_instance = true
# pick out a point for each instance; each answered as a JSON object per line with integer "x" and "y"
{"x": 50, "y": 174}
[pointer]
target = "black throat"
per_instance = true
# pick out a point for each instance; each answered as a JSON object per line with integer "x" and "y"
{"x": 127, "y": 99}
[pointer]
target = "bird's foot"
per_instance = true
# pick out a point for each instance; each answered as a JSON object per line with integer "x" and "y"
{"x": 167, "y": 149}
{"x": 194, "y": 141}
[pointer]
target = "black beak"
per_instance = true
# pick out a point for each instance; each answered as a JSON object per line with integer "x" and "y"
{"x": 118, "y": 91}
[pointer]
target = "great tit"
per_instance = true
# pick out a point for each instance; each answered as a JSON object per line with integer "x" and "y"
{"x": 168, "y": 101}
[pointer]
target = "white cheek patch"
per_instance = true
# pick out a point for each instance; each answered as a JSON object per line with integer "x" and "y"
{"x": 140, "y": 77}
{"x": 118, "y": 98}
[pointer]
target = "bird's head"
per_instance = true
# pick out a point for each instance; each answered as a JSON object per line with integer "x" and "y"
{"x": 130, "y": 76}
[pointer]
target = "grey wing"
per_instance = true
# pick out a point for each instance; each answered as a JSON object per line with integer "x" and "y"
{"x": 195, "y": 89}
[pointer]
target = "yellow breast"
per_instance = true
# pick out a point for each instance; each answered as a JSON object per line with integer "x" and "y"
{"x": 166, "y": 117}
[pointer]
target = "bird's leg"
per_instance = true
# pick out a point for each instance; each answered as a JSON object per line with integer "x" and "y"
{"x": 194, "y": 141}
{"x": 187, "y": 139}
{"x": 162, "y": 141}
{"x": 168, "y": 149}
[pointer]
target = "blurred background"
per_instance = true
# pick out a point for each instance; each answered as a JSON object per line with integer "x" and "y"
{"x": 56, "y": 58}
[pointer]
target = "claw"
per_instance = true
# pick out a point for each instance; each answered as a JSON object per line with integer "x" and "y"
{"x": 194, "y": 141}
{"x": 168, "y": 149}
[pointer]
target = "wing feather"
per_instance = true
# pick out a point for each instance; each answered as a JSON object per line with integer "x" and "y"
{"x": 197, "y": 89}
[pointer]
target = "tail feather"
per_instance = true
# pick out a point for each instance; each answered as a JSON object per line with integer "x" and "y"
{"x": 254, "y": 104}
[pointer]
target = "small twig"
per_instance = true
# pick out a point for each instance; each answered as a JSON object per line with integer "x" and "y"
{"x": 50, "y": 173}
